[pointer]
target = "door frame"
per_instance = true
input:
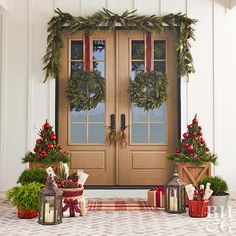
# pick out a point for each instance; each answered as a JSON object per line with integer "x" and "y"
{"x": 116, "y": 82}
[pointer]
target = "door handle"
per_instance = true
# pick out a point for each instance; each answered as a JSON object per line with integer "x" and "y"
{"x": 123, "y": 136}
{"x": 112, "y": 122}
{"x": 122, "y": 122}
{"x": 112, "y": 127}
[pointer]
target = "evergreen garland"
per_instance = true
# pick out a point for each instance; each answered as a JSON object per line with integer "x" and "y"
{"x": 107, "y": 20}
{"x": 148, "y": 90}
{"x": 81, "y": 86}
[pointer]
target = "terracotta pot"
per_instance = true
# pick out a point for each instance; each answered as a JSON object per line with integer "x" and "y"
{"x": 27, "y": 214}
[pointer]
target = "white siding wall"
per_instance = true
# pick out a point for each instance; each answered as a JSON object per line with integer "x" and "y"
{"x": 26, "y": 102}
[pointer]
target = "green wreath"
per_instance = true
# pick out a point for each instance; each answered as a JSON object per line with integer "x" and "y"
{"x": 148, "y": 90}
{"x": 85, "y": 90}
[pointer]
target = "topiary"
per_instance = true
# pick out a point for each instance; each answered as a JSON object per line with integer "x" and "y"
{"x": 26, "y": 196}
{"x": 218, "y": 185}
{"x": 33, "y": 175}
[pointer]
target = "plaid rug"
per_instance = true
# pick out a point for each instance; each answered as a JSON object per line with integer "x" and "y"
{"x": 119, "y": 205}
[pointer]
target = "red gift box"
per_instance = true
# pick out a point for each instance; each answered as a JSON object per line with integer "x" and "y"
{"x": 156, "y": 196}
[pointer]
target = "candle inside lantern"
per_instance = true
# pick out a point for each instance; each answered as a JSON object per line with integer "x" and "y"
{"x": 49, "y": 214}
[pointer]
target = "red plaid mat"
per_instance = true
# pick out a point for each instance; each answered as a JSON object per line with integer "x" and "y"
{"x": 120, "y": 205}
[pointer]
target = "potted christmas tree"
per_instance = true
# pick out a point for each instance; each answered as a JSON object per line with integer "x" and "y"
{"x": 192, "y": 156}
{"x": 46, "y": 152}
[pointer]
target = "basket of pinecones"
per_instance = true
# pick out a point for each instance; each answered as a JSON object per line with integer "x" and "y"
{"x": 70, "y": 186}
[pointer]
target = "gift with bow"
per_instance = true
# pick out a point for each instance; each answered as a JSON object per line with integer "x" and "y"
{"x": 72, "y": 205}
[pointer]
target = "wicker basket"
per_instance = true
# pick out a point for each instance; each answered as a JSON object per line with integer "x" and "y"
{"x": 72, "y": 193}
{"x": 198, "y": 209}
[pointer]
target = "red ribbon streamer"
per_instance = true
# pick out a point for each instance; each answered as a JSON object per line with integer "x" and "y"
{"x": 148, "y": 52}
{"x": 72, "y": 205}
{"x": 87, "y": 52}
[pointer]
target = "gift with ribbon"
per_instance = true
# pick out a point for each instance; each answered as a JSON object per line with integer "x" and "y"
{"x": 156, "y": 196}
{"x": 72, "y": 205}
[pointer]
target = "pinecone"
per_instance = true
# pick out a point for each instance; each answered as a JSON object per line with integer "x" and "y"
{"x": 58, "y": 179}
{"x": 68, "y": 183}
{"x": 74, "y": 177}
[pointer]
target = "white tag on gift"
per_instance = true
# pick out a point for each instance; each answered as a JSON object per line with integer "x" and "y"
{"x": 50, "y": 172}
{"x": 66, "y": 170}
{"x": 83, "y": 177}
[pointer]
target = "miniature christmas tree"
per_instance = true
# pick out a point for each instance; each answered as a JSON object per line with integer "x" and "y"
{"x": 46, "y": 150}
{"x": 193, "y": 148}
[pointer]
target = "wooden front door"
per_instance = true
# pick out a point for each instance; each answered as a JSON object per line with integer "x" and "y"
{"x": 150, "y": 135}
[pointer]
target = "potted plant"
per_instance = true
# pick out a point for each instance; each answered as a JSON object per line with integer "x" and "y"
{"x": 220, "y": 193}
{"x": 192, "y": 156}
{"x": 33, "y": 175}
{"x": 46, "y": 152}
{"x": 26, "y": 199}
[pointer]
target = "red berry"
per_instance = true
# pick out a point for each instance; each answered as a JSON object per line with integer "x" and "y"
{"x": 200, "y": 133}
{"x": 53, "y": 137}
{"x": 194, "y": 133}
{"x": 190, "y": 126}
{"x": 200, "y": 145}
{"x": 202, "y": 140}
{"x": 177, "y": 151}
{"x": 46, "y": 126}
{"x": 38, "y": 141}
{"x": 35, "y": 149}
{"x": 191, "y": 155}
{"x": 207, "y": 150}
{"x": 186, "y": 144}
{"x": 41, "y": 155}
{"x": 42, "y": 134}
{"x": 43, "y": 152}
{"x": 200, "y": 128}
{"x": 190, "y": 148}
{"x": 185, "y": 135}
{"x": 195, "y": 121}
{"x": 196, "y": 192}
{"x": 59, "y": 146}
{"x": 50, "y": 146}
{"x": 195, "y": 138}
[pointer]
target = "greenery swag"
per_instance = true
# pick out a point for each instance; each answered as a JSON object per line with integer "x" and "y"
{"x": 107, "y": 20}
{"x": 148, "y": 90}
{"x": 85, "y": 90}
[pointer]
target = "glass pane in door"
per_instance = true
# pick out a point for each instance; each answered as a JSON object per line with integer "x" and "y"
{"x": 88, "y": 127}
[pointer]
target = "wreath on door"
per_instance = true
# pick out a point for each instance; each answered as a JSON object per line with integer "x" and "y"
{"x": 85, "y": 90}
{"x": 148, "y": 90}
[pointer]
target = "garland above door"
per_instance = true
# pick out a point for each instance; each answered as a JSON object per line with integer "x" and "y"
{"x": 107, "y": 20}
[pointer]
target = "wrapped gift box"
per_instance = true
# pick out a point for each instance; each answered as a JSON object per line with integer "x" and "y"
{"x": 156, "y": 197}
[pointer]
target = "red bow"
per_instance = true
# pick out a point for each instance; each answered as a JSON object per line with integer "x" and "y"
{"x": 72, "y": 205}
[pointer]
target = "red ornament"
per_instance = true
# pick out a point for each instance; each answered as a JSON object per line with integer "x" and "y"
{"x": 43, "y": 152}
{"x": 200, "y": 133}
{"x": 177, "y": 151}
{"x": 200, "y": 145}
{"x": 207, "y": 150}
{"x": 194, "y": 133}
{"x": 35, "y": 149}
{"x": 38, "y": 141}
{"x": 186, "y": 144}
{"x": 46, "y": 126}
{"x": 196, "y": 192}
{"x": 190, "y": 148}
{"x": 50, "y": 146}
{"x": 42, "y": 134}
{"x": 185, "y": 135}
{"x": 195, "y": 138}
{"x": 53, "y": 137}
{"x": 195, "y": 121}
{"x": 190, "y": 126}
{"x": 202, "y": 140}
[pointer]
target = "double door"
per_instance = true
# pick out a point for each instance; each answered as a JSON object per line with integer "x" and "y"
{"x": 150, "y": 135}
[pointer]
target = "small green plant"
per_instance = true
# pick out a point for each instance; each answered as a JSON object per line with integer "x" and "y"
{"x": 25, "y": 196}
{"x": 218, "y": 185}
{"x": 33, "y": 175}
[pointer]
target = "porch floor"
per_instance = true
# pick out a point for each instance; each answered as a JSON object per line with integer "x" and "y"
{"x": 120, "y": 223}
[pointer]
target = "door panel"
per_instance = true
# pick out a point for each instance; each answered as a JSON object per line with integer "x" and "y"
{"x": 152, "y": 134}
{"x": 84, "y": 133}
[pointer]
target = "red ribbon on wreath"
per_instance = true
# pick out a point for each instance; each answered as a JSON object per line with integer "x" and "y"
{"x": 87, "y": 52}
{"x": 72, "y": 205}
{"x": 148, "y": 52}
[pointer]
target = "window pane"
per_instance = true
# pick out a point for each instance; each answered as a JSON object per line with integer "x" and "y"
{"x": 139, "y": 133}
{"x": 77, "y": 50}
{"x": 96, "y": 133}
{"x": 99, "y": 66}
{"x": 159, "y": 49}
{"x": 137, "y": 49}
{"x": 158, "y": 115}
{"x": 137, "y": 67}
{"x": 76, "y": 67}
{"x": 98, "y": 113}
{"x": 78, "y": 133}
{"x": 160, "y": 66}
{"x": 99, "y": 50}
{"x": 78, "y": 116}
{"x": 138, "y": 114}
{"x": 158, "y": 133}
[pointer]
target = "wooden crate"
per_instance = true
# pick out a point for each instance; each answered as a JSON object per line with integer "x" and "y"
{"x": 191, "y": 173}
{"x": 55, "y": 166}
